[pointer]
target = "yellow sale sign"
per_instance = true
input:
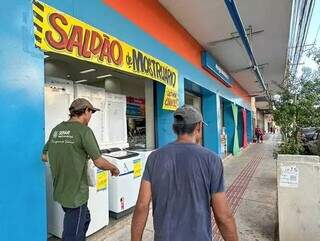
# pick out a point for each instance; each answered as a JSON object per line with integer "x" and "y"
{"x": 61, "y": 33}
{"x": 102, "y": 180}
{"x": 137, "y": 168}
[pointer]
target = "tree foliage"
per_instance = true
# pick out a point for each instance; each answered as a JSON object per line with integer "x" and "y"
{"x": 298, "y": 106}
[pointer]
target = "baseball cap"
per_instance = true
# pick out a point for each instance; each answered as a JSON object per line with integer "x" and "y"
{"x": 187, "y": 114}
{"x": 81, "y": 104}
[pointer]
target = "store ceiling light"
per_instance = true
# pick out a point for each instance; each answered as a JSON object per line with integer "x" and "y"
{"x": 81, "y": 81}
{"x": 104, "y": 76}
{"x": 87, "y": 71}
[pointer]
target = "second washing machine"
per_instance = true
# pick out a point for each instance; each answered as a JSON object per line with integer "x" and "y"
{"x": 124, "y": 189}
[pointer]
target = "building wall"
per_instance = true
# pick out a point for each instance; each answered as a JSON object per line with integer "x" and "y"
{"x": 143, "y": 24}
{"x": 22, "y": 198}
{"x": 176, "y": 38}
{"x": 134, "y": 32}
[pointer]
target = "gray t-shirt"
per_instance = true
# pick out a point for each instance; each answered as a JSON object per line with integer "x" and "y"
{"x": 183, "y": 177}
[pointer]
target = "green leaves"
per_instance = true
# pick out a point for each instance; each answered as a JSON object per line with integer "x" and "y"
{"x": 298, "y": 107}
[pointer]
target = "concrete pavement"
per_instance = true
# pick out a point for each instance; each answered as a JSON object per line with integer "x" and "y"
{"x": 250, "y": 180}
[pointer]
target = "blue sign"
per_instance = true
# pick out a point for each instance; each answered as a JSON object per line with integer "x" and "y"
{"x": 211, "y": 65}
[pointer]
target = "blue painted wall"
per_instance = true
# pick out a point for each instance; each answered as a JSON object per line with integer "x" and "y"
{"x": 164, "y": 119}
{"x": 22, "y": 197}
{"x": 211, "y": 115}
{"x": 211, "y": 137}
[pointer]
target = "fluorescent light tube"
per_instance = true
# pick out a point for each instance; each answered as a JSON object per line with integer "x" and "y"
{"x": 87, "y": 71}
{"x": 80, "y": 81}
{"x": 104, "y": 76}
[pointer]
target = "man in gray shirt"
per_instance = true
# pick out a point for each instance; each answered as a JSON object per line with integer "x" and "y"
{"x": 185, "y": 181}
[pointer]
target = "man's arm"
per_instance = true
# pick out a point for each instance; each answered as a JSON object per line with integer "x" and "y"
{"x": 224, "y": 217}
{"x": 103, "y": 164}
{"x": 141, "y": 211}
{"x": 91, "y": 146}
{"x": 45, "y": 157}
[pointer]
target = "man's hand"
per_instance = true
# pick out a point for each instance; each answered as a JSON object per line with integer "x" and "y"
{"x": 141, "y": 211}
{"x": 115, "y": 171}
{"x": 224, "y": 217}
{"x": 103, "y": 164}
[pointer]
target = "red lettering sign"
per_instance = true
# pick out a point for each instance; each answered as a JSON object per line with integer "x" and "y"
{"x": 86, "y": 42}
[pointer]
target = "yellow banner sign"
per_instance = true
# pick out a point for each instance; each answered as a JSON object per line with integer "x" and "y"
{"x": 61, "y": 33}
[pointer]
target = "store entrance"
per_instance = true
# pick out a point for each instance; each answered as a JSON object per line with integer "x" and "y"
{"x": 124, "y": 129}
{"x": 226, "y": 127}
{"x": 195, "y": 101}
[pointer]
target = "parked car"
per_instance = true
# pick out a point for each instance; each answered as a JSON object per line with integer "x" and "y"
{"x": 307, "y": 133}
{"x": 314, "y": 144}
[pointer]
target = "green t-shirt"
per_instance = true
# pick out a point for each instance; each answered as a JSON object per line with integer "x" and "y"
{"x": 69, "y": 147}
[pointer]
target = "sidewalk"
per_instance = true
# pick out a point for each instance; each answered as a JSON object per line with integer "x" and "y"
{"x": 250, "y": 181}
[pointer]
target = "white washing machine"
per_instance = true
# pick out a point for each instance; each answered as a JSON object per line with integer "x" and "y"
{"x": 59, "y": 94}
{"x": 98, "y": 202}
{"x": 124, "y": 189}
{"x": 144, "y": 153}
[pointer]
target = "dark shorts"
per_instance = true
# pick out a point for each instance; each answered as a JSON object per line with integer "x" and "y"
{"x": 76, "y": 223}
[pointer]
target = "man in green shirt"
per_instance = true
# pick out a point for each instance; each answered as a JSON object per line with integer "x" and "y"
{"x": 70, "y": 145}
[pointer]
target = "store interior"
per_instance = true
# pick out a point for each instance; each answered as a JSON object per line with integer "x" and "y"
{"x": 124, "y": 129}
{"x": 138, "y": 92}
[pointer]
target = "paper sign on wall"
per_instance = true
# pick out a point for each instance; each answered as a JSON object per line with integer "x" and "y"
{"x": 289, "y": 176}
{"x": 170, "y": 99}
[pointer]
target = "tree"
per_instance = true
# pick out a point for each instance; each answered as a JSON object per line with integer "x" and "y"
{"x": 298, "y": 106}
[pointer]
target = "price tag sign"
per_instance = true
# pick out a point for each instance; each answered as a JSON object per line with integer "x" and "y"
{"x": 137, "y": 168}
{"x": 102, "y": 180}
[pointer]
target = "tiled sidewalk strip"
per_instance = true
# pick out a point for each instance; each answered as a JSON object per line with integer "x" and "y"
{"x": 236, "y": 190}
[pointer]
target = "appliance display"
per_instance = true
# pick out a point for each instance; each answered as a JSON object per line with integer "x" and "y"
{"x": 115, "y": 194}
{"x": 59, "y": 94}
{"x": 124, "y": 189}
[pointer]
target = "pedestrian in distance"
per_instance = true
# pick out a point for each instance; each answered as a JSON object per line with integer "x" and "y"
{"x": 68, "y": 149}
{"x": 185, "y": 183}
{"x": 259, "y": 134}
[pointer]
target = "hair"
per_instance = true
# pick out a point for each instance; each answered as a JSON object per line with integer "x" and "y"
{"x": 180, "y": 129}
{"x": 76, "y": 113}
